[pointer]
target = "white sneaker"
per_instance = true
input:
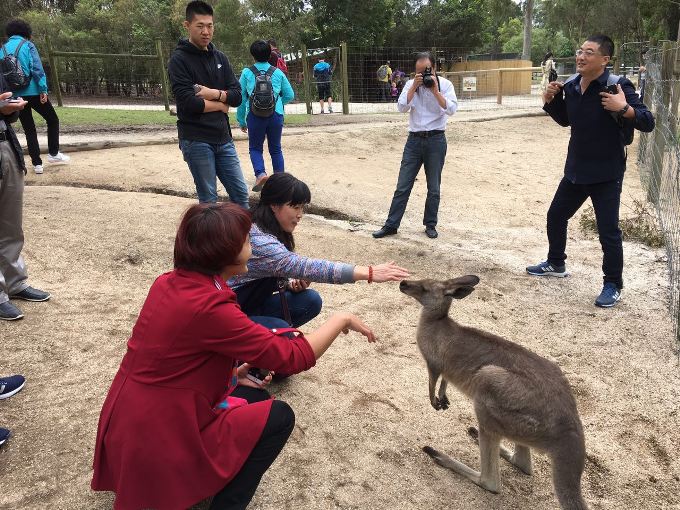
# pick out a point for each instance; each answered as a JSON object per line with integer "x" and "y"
{"x": 38, "y": 169}
{"x": 59, "y": 158}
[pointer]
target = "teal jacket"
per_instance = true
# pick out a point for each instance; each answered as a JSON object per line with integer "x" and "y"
{"x": 280, "y": 83}
{"x": 31, "y": 64}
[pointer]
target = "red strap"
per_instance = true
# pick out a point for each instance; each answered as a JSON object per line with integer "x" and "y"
{"x": 283, "y": 331}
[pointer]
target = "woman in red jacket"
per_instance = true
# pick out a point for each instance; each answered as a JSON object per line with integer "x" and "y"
{"x": 181, "y": 422}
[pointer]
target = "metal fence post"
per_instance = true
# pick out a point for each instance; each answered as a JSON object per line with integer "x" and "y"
{"x": 163, "y": 74}
{"x": 305, "y": 79}
{"x": 344, "y": 62}
{"x": 55, "y": 72}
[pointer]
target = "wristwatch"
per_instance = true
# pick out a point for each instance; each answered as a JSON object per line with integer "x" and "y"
{"x": 623, "y": 110}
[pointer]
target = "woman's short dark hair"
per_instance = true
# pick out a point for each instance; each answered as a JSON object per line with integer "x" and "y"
{"x": 18, "y": 27}
{"x": 260, "y": 50}
{"x": 425, "y": 54}
{"x": 210, "y": 237}
{"x": 280, "y": 189}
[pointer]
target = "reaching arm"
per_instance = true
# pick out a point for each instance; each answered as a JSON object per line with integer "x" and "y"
{"x": 555, "y": 105}
{"x": 322, "y": 338}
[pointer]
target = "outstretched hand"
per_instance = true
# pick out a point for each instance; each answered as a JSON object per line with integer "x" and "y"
{"x": 389, "y": 272}
{"x": 355, "y": 324}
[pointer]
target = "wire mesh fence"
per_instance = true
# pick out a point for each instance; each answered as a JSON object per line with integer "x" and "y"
{"x": 131, "y": 73}
{"x": 659, "y": 157}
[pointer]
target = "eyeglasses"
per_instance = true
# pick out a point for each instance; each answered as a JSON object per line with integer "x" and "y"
{"x": 588, "y": 53}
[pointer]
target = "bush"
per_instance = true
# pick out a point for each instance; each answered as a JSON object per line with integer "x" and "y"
{"x": 640, "y": 227}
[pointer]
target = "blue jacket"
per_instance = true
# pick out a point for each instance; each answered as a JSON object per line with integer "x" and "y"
{"x": 282, "y": 90}
{"x": 322, "y": 72}
{"x": 31, "y": 64}
{"x": 596, "y": 150}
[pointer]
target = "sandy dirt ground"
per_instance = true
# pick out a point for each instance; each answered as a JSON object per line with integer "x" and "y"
{"x": 101, "y": 229}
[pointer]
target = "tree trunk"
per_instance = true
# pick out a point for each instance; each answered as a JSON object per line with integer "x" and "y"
{"x": 528, "y": 21}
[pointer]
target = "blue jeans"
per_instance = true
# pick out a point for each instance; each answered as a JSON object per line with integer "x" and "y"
{"x": 258, "y": 129}
{"x": 606, "y": 198}
{"x": 303, "y": 307}
{"x": 419, "y": 151}
{"x": 209, "y": 162}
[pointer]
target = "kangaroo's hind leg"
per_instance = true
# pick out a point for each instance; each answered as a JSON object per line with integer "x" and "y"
{"x": 489, "y": 477}
{"x": 520, "y": 458}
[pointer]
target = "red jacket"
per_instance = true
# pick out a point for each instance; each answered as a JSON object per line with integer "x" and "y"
{"x": 161, "y": 442}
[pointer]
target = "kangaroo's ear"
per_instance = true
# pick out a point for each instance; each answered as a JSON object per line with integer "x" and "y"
{"x": 469, "y": 280}
{"x": 459, "y": 292}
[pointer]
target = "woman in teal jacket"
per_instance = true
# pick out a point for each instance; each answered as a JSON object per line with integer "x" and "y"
{"x": 35, "y": 93}
{"x": 259, "y": 128}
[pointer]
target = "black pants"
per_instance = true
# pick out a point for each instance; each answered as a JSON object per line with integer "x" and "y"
{"x": 606, "y": 198}
{"x": 237, "y": 494}
{"x": 46, "y": 111}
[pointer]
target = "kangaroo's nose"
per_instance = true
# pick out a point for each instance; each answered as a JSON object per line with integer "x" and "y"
{"x": 403, "y": 284}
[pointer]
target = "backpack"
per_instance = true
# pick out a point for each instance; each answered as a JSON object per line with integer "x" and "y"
{"x": 382, "y": 72}
{"x": 626, "y": 127}
{"x": 12, "y": 70}
{"x": 262, "y": 99}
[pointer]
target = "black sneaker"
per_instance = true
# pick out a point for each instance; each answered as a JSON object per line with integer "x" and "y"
{"x": 431, "y": 232}
{"x": 11, "y": 385}
{"x": 9, "y": 312}
{"x": 4, "y": 435}
{"x": 547, "y": 269}
{"x": 31, "y": 294}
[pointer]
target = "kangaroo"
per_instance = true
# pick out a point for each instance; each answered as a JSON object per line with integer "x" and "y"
{"x": 517, "y": 394}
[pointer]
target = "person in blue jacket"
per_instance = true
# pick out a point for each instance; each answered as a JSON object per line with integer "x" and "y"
{"x": 35, "y": 93}
{"x": 259, "y": 128}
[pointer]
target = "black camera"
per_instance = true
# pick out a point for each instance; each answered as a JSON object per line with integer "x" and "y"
{"x": 428, "y": 79}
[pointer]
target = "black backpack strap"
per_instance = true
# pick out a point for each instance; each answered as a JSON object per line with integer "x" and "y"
{"x": 16, "y": 52}
{"x": 255, "y": 70}
{"x": 271, "y": 70}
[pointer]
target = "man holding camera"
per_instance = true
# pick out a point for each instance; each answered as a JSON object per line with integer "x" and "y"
{"x": 430, "y": 100}
{"x": 602, "y": 113}
{"x": 204, "y": 86}
{"x": 13, "y": 276}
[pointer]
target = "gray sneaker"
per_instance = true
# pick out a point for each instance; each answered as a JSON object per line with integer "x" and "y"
{"x": 9, "y": 312}
{"x": 547, "y": 269}
{"x": 31, "y": 294}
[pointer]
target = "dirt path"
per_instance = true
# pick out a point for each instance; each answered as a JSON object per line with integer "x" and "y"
{"x": 362, "y": 413}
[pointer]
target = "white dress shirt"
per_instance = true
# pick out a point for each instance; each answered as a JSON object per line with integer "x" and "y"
{"x": 426, "y": 114}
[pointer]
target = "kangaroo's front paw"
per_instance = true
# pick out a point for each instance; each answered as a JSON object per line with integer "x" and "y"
{"x": 444, "y": 402}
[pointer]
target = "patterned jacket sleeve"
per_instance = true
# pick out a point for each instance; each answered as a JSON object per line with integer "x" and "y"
{"x": 271, "y": 258}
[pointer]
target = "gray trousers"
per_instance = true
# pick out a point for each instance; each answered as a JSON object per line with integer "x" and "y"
{"x": 13, "y": 274}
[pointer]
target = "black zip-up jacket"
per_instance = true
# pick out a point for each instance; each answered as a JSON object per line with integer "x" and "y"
{"x": 596, "y": 150}
{"x": 190, "y": 65}
{"x": 10, "y": 132}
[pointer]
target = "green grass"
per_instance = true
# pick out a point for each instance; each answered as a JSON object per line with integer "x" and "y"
{"x": 121, "y": 118}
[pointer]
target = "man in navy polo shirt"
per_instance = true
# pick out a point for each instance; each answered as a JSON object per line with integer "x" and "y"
{"x": 596, "y": 159}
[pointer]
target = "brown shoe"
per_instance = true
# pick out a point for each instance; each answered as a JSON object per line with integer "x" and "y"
{"x": 260, "y": 182}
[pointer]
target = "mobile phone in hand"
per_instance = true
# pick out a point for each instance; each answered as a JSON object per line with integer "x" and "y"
{"x": 197, "y": 88}
{"x": 611, "y": 89}
{"x": 257, "y": 375}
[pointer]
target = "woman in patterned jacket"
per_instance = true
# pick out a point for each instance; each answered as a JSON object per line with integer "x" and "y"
{"x": 282, "y": 204}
